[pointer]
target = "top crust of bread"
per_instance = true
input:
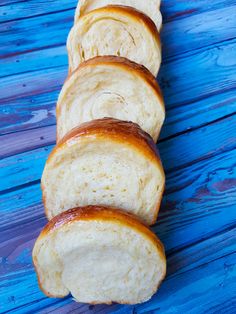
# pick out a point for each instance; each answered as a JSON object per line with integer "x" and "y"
{"x": 131, "y": 13}
{"x": 85, "y": 6}
{"x": 102, "y": 213}
{"x": 121, "y": 131}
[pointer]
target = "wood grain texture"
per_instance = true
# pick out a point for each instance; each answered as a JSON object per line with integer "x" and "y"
{"x": 198, "y": 146}
{"x": 176, "y": 153}
{"x": 212, "y": 75}
{"x": 16, "y": 10}
{"x": 183, "y": 265}
{"x": 189, "y": 199}
{"x": 173, "y": 10}
{"x": 54, "y": 32}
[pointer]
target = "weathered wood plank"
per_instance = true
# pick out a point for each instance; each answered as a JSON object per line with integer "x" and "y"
{"x": 22, "y": 10}
{"x": 34, "y": 61}
{"x": 32, "y": 83}
{"x": 72, "y": 307}
{"x": 10, "y": 2}
{"x": 23, "y": 205}
{"x": 205, "y": 190}
{"x": 178, "y": 120}
{"x": 43, "y": 116}
{"x": 16, "y": 143}
{"x": 197, "y": 145}
{"x": 199, "y": 199}
{"x": 24, "y": 36}
{"x": 10, "y": 10}
{"x": 42, "y": 113}
{"x": 193, "y": 32}
{"x": 181, "y": 264}
{"x": 182, "y": 227}
{"x": 208, "y": 73}
{"x": 176, "y": 153}
{"x": 198, "y": 113}
{"x": 195, "y": 291}
{"x": 198, "y": 76}
{"x": 173, "y": 10}
{"x": 23, "y": 168}
{"x": 28, "y": 112}
{"x": 204, "y": 261}
{"x": 35, "y": 33}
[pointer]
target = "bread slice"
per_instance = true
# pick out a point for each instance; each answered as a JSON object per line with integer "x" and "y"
{"x": 149, "y": 7}
{"x": 115, "y": 30}
{"x": 99, "y": 255}
{"x": 110, "y": 87}
{"x": 104, "y": 162}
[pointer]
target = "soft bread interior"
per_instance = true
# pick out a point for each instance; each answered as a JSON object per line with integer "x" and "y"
{"x": 150, "y": 7}
{"x": 99, "y": 262}
{"x": 102, "y": 171}
{"x": 106, "y": 90}
{"x": 114, "y": 31}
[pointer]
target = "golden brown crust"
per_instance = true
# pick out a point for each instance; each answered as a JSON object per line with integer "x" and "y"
{"x": 101, "y": 213}
{"x": 133, "y": 13}
{"x": 128, "y": 133}
{"x": 127, "y": 65}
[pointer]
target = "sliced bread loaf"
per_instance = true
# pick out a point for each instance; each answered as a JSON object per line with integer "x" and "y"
{"x": 115, "y": 30}
{"x": 104, "y": 162}
{"x": 99, "y": 255}
{"x": 110, "y": 87}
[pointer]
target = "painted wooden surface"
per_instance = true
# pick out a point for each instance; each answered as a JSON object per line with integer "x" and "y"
{"x": 197, "y": 222}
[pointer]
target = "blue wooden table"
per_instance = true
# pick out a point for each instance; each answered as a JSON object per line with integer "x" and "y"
{"x": 197, "y": 222}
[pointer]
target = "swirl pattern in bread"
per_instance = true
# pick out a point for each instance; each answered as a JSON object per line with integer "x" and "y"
{"x": 149, "y": 7}
{"x": 104, "y": 162}
{"x": 110, "y": 87}
{"x": 99, "y": 255}
{"x": 115, "y": 30}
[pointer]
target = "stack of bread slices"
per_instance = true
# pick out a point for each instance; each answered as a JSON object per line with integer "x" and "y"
{"x": 103, "y": 182}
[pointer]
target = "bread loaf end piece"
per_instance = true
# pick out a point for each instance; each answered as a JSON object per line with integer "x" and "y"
{"x": 99, "y": 255}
